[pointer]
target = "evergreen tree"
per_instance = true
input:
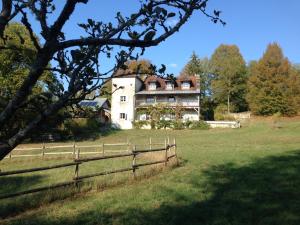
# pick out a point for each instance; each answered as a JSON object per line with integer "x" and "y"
{"x": 274, "y": 85}
{"x": 230, "y": 75}
{"x": 201, "y": 67}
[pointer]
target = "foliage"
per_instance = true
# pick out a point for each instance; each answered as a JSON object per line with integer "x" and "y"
{"x": 221, "y": 113}
{"x": 274, "y": 85}
{"x": 202, "y": 68}
{"x": 199, "y": 125}
{"x": 81, "y": 127}
{"x": 188, "y": 123}
{"x": 140, "y": 124}
{"x": 14, "y": 67}
{"x": 229, "y": 83}
{"x": 141, "y": 66}
{"x": 178, "y": 125}
{"x": 77, "y": 64}
{"x": 164, "y": 124}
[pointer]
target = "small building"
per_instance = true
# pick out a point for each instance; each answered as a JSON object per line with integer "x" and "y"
{"x": 131, "y": 94}
{"x": 101, "y": 106}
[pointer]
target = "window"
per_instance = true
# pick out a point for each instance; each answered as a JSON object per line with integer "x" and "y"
{"x": 169, "y": 85}
{"x": 123, "y": 116}
{"x": 185, "y": 85}
{"x": 150, "y": 99}
{"x": 171, "y": 99}
{"x": 123, "y": 98}
{"x": 152, "y": 85}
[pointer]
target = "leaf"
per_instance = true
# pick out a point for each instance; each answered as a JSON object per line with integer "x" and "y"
{"x": 162, "y": 69}
{"x": 91, "y": 22}
{"x": 149, "y": 36}
{"x": 217, "y": 13}
{"x": 171, "y": 14}
{"x": 133, "y": 35}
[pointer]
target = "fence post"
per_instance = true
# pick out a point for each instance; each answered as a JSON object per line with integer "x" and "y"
{"x": 150, "y": 143}
{"x": 128, "y": 144}
{"x": 77, "y": 168}
{"x": 74, "y": 149}
{"x": 134, "y": 161}
{"x": 10, "y": 155}
{"x": 175, "y": 151}
{"x": 166, "y": 152}
{"x": 103, "y": 149}
{"x": 43, "y": 150}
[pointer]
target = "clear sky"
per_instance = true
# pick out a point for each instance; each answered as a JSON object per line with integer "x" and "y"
{"x": 251, "y": 25}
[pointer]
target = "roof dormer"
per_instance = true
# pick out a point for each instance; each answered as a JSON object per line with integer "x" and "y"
{"x": 169, "y": 85}
{"x": 152, "y": 85}
{"x": 185, "y": 85}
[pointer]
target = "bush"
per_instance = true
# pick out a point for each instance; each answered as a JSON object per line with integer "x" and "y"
{"x": 219, "y": 116}
{"x": 187, "y": 124}
{"x": 82, "y": 127}
{"x": 222, "y": 114}
{"x": 163, "y": 124}
{"x": 139, "y": 124}
{"x": 178, "y": 125}
{"x": 200, "y": 125}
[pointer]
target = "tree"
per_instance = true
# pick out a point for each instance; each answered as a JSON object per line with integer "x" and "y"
{"x": 141, "y": 68}
{"x": 274, "y": 85}
{"x": 76, "y": 61}
{"x": 201, "y": 67}
{"x": 14, "y": 67}
{"x": 229, "y": 83}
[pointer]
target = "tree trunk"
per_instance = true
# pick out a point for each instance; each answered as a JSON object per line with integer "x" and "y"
{"x": 228, "y": 103}
{"x": 5, "y": 149}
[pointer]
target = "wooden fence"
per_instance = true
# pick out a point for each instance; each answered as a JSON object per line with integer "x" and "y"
{"x": 47, "y": 150}
{"x": 134, "y": 152}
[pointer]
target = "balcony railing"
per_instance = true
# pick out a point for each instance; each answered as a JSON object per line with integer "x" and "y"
{"x": 179, "y": 102}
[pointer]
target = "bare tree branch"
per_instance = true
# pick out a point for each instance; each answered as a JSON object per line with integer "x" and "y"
{"x": 5, "y": 15}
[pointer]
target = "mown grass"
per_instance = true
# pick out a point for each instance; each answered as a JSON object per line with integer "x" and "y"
{"x": 243, "y": 176}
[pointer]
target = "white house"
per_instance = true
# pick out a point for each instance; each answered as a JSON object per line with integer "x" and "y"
{"x": 131, "y": 93}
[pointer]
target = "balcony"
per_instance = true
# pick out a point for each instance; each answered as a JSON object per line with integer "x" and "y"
{"x": 177, "y": 102}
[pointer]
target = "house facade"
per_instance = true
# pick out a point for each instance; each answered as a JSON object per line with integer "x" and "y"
{"x": 132, "y": 95}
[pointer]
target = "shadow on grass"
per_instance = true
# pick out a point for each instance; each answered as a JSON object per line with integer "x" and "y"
{"x": 13, "y": 184}
{"x": 264, "y": 192}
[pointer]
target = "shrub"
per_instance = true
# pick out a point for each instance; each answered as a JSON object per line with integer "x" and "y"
{"x": 200, "y": 125}
{"x": 139, "y": 124}
{"x": 178, "y": 125}
{"x": 219, "y": 116}
{"x": 222, "y": 114}
{"x": 163, "y": 124}
{"x": 187, "y": 124}
{"x": 82, "y": 127}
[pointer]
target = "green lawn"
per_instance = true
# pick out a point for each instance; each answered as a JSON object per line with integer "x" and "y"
{"x": 227, "y": 176}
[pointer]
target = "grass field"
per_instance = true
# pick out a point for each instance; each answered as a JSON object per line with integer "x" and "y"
{"x": 227, "y": 176}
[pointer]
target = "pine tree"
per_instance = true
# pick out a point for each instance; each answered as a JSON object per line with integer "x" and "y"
{"x": 230, "y": 75}
{"x": 201, "y": 67}
{"x": 274, "y": 85}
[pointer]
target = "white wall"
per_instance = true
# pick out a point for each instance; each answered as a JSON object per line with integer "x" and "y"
{"x": 131, "y": 86}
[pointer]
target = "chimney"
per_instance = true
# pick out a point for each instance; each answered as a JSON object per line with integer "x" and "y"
{"x": 197, "y": 81}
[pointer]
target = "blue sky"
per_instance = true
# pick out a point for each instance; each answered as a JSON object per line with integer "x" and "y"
{"x": 251, "y": 25}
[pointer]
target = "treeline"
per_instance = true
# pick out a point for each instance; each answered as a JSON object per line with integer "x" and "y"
{"x": 268, "y": 86}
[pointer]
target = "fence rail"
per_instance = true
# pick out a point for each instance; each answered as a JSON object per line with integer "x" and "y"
{"x": 102, "y": 148}
{"x": 79, "y": 161}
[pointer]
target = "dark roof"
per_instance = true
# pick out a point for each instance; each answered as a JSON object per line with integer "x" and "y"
{"x": 168, "y": 92}
{"x": 161, "y": 82}
{"x": 97, "y": 102}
